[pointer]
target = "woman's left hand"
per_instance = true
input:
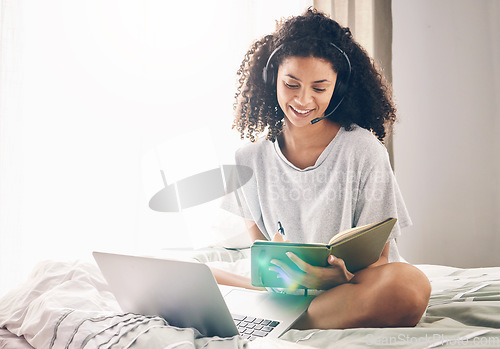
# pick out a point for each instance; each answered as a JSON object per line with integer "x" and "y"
{"x": 321, "y": 278}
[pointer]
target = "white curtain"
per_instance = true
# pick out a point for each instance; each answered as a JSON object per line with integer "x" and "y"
{"x": 97, "y": 97}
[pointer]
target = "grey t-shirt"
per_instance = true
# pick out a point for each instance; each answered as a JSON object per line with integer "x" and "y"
{"x": 351, "y": 184}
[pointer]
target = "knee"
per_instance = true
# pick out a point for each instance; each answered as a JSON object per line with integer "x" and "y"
{"x": 408, "y": 292}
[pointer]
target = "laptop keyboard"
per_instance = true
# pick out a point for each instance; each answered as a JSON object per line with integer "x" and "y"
{"x": 251, "y": 328}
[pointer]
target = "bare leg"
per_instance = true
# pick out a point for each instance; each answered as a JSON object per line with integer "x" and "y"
{"x": 394, "y": 294}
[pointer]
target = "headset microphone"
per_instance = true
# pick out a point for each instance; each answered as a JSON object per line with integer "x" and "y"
{"x": 313, "y": 121}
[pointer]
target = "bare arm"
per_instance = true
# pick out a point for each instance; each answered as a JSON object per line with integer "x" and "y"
{"x": 254, "y": 231}
{"x": 231, "y": 279}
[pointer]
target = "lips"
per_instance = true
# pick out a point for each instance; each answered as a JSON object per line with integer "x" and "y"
{"x": 302, "y": 113}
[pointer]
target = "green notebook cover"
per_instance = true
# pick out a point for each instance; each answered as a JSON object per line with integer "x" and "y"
{"x": 358, "y": 247}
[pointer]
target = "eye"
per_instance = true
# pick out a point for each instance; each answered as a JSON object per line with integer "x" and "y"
{"x": 319, "y": 89}
{"x": 291, "y": 85}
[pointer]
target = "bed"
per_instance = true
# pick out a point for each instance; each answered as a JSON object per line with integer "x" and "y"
{"x": 68, "y": 305}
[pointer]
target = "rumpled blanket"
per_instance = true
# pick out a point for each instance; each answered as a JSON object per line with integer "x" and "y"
{"x": 69, "y": 305}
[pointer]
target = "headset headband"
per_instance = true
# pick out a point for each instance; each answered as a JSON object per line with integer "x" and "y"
{"x": 270, "y": 79}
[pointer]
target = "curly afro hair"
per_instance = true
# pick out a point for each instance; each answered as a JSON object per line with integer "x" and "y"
{"x": 367, "y": 101}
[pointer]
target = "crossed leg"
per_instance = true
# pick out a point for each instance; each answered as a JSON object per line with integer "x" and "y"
{"x": 390, "y": 295}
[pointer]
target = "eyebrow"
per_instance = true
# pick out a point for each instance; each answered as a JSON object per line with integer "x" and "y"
{"x": 314, "y": 82}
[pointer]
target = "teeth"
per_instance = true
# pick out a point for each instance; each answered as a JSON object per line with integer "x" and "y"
{"x": 301, "y": 111}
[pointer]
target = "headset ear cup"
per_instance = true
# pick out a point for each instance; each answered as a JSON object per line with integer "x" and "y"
{"x": 268, "y": 75}
{"x": 341, "y": 91}
{"x": 272, "y": 73}
{"x": 264, "y": 75}
{"x": 337, "y": 96}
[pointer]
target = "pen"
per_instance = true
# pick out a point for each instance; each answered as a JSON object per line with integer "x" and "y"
{"x": 280, "y": 229}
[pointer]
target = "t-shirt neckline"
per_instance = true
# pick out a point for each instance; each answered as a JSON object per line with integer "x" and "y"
{"x": 324, "y": 154}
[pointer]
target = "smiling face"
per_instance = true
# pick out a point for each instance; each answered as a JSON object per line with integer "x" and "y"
{"x": 304, "y": 88}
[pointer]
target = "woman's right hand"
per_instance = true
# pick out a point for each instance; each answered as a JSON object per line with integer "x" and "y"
{"x": 279, "y": 238}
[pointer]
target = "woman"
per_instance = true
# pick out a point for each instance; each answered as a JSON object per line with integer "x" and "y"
{"x": 322, "y": 168}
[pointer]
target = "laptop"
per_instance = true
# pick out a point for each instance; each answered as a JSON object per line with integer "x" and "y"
{"x": 186, "y": 294}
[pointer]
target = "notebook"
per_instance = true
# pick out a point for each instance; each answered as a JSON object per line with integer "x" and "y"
{"x": 186, "y": 294}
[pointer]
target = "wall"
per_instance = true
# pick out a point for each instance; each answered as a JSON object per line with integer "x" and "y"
{"x": 446, "y": 79}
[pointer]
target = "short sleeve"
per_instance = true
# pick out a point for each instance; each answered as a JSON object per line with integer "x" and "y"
{"x": 242, "y": 197}
{"x": 379, "y": 198}
{"x": 236, "y": 202}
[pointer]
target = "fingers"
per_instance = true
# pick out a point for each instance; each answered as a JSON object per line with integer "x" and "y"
{"x": 306, "y": 276}
{"x": 332, "y": 260}
{"x": 291, "y": 278}
{"x": 311, "y": 276}
{"x": 340, "y": 264}
{"x": 299, "y": 262}
{"x": 336, "y": 262}
{"x": 278, "y": 238}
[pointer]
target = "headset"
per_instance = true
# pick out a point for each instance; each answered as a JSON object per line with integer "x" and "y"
{"x": 270, "y": 72}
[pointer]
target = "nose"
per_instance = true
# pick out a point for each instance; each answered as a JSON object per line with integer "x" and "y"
{"x": 304, "y": 97}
